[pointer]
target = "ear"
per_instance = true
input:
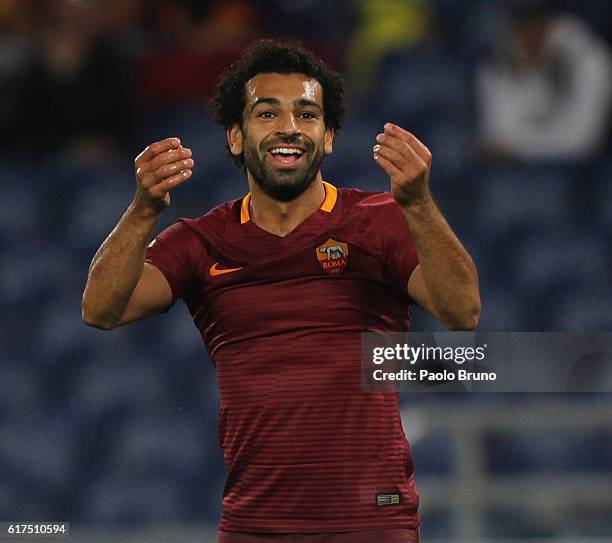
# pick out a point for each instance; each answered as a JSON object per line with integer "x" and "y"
{"x": 329, "y": 140}
{"x": 234, "y": 139}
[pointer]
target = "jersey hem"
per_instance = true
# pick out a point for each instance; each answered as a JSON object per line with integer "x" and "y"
{"x": 308, "y": 527}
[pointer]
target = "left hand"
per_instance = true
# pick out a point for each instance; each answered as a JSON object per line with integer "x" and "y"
{"x": 407, "y": 161}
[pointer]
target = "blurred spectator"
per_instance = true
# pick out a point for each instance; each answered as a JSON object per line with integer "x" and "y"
{"x": 123, "y": 22}
{"x": 17, "y": 28}
{"x": 323, "y": 26}
{"x": 193, "y": 45}
{"x": 384, "y": 26}
{"x": 547, "y": 94}
{"x": 72, "y": 95}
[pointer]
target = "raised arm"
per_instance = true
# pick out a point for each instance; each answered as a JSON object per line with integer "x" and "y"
{"x": 121, "y": 287}
{"x": 445, "y": 282}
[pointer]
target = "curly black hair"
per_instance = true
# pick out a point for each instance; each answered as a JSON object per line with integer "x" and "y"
{"x": 271, "y": 56}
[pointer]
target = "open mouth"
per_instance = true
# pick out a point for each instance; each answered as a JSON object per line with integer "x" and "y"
{"x": 286, "y": 156}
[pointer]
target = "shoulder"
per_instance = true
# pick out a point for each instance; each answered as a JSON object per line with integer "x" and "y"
{"x": 372, "y": 205}
{"x": 364, "y": 200}
{"x": 377, "y": 216}
{"x": 569, "y": 30}
{"x": 211, "y": 225}
{"x": 217, "y": 216}
{"x": 192, "y": 235}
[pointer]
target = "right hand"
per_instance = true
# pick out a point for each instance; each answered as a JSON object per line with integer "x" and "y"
{"x": 159, "y": 168}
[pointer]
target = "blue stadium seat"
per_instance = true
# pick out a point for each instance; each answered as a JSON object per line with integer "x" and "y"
{"x": 38, "y": 452}
{"x": 531, "y": 199}
{"x": 605, "y": 200}
{"x": 451, "y": 142}
{"x": 501, "y": 309}
{"x": 21, "y": 390}
{"x": 564, "y": 259}
{"x": 434, "y": 454}
{"x": 128, "y": 385}
{"x": 10, "y": 501}
{"x": 156, "y": 443}
{"x": 181, "y": 337}
{"x": 586, "y": 521}
{"x": 415, "y": 86}
{"x": 24, "y": 278}
{"x": 62, "y": 330}
{"x": 517, "y": 524}
{"x": 20, "y": 208}
{"x": 351, "y": 164}
{"x": 193, "y": 125}
{"x": 120, "y": 498}
{"x": 587, "y": 309}
{"x": 424, "y": 322}
{"x": 436, "y": 524}
{"x": 543, "y": 451}
{"x": 97, "y": 206}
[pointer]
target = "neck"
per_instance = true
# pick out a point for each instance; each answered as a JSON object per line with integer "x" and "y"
{"x": 280, "y": 218}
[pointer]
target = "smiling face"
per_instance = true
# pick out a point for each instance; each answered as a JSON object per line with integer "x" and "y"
{"x": 283, "y": 134}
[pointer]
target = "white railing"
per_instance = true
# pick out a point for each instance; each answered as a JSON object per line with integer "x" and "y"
{"x": 470, "y": 489}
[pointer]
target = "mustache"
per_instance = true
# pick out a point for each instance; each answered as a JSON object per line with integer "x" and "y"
{"x": 288, "y": 140}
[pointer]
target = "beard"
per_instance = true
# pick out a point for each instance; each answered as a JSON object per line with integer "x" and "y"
{"x": 283, "y": 184}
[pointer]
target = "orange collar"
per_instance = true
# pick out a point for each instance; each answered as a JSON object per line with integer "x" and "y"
{"x": 331, "y": 195}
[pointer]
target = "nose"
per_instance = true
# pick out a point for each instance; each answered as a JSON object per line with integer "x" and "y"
{"x": 288, "y": 124}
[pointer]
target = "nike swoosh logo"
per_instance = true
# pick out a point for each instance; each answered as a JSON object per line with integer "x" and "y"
{"x": 214, "y": 271}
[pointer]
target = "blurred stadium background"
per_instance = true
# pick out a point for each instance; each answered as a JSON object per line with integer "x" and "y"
{"x": 116, "y": 432}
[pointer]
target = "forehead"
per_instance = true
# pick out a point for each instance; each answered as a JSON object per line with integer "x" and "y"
{"x": 284, "y": 87}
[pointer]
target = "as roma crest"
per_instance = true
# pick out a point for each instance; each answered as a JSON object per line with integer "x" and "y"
{"x": 333, "y": 256}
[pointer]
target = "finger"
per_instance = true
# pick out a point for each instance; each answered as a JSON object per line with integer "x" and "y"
{"x": 399, "y": 145}
{"x": 163, "y": 173}
{"x": 156, "y": 148}
{"x": 160, "y": 189}
{"x": 387, "y": 165}
{"x": 171, "y": 169}
{"x": 169, "y": 157}
{"x": 417, "y": 145}
{"x": 403, "y": 164}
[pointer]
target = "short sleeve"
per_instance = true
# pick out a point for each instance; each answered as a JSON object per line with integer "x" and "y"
{"x": 173, "y": 253}
{"x": 399, "y": 252}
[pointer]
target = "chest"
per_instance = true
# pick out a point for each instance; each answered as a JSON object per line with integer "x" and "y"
{"x": 333, "y": 281}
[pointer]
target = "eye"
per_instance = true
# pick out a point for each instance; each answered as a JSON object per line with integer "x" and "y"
{"x": 308, "y": 115}
{"x": 266, "y": 114}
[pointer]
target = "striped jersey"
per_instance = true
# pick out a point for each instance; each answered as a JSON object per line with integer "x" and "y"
{"x": 307, "y": 450}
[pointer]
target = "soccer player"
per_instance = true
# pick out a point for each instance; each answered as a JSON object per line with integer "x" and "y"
{"x": 280, "y": 284}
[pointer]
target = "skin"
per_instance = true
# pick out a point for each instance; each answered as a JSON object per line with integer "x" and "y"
{"x": 280, "y": 109}
{"x": 283, "y": 108}
{"x": 120, "y": 287}
{"x": 445, "y": 283}
{"x": 531, "y": 35}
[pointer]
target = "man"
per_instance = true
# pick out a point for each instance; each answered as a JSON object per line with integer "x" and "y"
{"x": 546, "y": 94}
{"x": 281, "y": 283}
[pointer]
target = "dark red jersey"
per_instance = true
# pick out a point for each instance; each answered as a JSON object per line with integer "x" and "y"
{"x": 307, "y": 450}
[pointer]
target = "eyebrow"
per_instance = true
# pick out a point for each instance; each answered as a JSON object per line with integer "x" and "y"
{"x": 276, "y": 102}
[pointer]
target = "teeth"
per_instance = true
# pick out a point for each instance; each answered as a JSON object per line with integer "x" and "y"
{"x": 285, "y": 151}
